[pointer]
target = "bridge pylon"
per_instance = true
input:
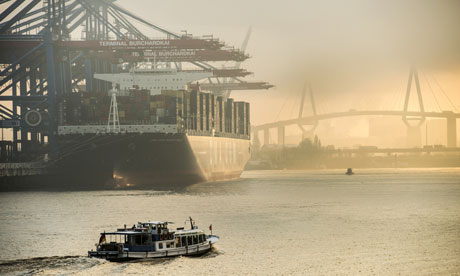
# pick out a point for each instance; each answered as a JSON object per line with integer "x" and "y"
{"x": 255, "y": 139}
{"x": 307, "y": 132}
{"x": 451, "y": 130}
{"x": 414, "y": 136}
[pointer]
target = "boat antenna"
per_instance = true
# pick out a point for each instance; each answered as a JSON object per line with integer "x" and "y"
{"x": 191, "y": 222}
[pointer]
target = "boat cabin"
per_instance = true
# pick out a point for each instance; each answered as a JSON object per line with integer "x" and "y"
{"x": 189, "y": 237}
{"x": 150, "y": 236}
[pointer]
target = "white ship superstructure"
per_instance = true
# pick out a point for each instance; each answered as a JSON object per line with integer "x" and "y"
{"x": 153, "y": 78}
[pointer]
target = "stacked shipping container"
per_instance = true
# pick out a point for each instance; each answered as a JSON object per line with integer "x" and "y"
{"x": 190, "y": 110}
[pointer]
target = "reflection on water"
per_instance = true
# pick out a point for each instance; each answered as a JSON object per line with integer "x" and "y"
{"x": 270, "y": 223}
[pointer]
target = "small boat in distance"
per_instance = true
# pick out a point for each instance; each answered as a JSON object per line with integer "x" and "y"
{"x": 152, "y": 239}
{"x": 349, "y": 171}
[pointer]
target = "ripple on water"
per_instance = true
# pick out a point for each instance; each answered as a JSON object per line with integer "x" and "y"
{"x": 381, "y": 222}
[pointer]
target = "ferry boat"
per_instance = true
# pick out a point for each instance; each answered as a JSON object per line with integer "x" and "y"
{"x": 152, "y": 239}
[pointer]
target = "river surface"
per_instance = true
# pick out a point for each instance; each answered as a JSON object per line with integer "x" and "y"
{"x": 376, "y": 222}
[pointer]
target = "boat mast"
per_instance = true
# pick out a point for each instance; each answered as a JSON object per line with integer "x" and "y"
{"x": 191, "y": 222}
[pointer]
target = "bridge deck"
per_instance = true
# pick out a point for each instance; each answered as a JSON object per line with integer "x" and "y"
{"x": 312, "y": 119}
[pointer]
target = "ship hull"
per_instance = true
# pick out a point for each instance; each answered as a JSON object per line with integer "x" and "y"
{"x": 138, "y": 161}
{"x": 115, "y": 256}
{"x": 168, "y": 161}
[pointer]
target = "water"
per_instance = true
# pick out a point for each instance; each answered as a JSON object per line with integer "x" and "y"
{"x": 381, "y": 222}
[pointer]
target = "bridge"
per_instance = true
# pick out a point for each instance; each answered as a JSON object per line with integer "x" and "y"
{"x": 405, "y": 114}
{"x": 450, "y": 116}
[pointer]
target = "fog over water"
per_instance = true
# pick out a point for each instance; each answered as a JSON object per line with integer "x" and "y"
{"x": 355, "y": 53}
{"x": 382, "y": 222}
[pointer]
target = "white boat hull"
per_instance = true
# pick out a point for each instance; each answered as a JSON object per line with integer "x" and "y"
{"x": 115, "y": 256}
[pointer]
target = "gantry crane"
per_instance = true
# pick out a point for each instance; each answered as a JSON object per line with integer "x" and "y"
{"x": 41, "y": 60}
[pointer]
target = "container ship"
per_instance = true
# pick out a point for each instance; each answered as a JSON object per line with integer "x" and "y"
{"x": 89, "y": 101}
{"x": 152, "y": 135}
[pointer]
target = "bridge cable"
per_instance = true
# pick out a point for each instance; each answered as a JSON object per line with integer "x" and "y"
{"x": 292, "y": 107}
{"x": 442, "y": 90}
{"x": 319, "y": 108}
{"x": 394, "y": 98}
{"x": 281, "y": 109}
{"x": 400, "y": 96}
{"x": 322, "y": 107}
{"x": 432, "y": 92}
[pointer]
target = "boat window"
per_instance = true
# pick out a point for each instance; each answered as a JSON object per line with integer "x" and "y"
{"x": 141, "y": 239}
{"x": 183, "y": 241}
{"x": 177, "y": 242}
{"x": 189, "y": 240}
{"x": 168, "y": 245}
{"x": 138, "y": 239}
{"x": 160, "y": 245}
{"x": 200, "y": 238}
{"x": 195, "y": 239}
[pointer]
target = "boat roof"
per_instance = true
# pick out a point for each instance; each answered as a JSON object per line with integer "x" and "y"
{"x": 124, "y": 233}
{"x": 156, "y": 222}
{"x": 189, "y": 231}
{"x": 133, "y": 232}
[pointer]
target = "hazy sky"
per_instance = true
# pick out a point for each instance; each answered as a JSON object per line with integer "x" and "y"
{"x": 356, "y": 54}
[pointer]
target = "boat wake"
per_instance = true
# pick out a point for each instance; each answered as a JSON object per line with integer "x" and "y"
{"x": 65, "y": 265}
{"x": 60, "y": 264}
{"x": 211, "y": 254}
